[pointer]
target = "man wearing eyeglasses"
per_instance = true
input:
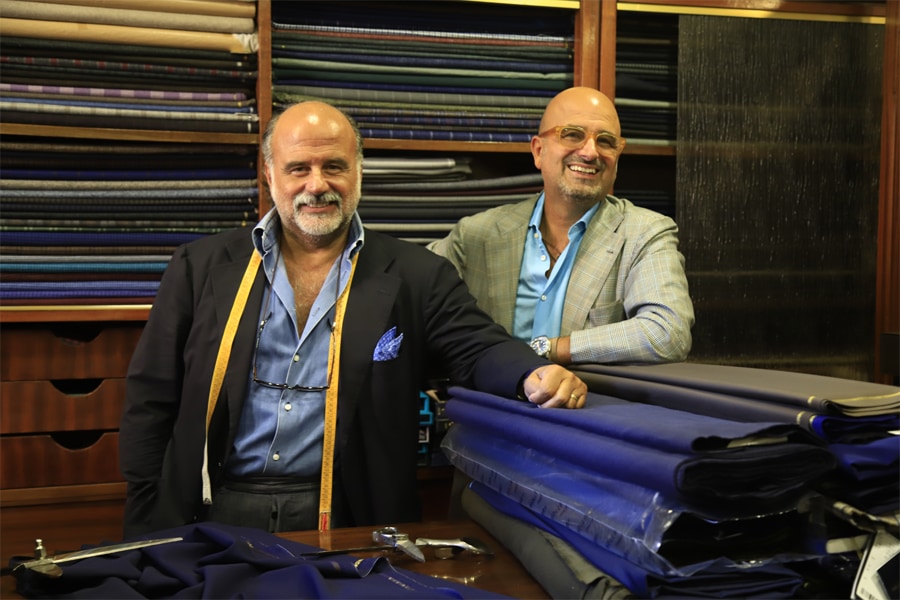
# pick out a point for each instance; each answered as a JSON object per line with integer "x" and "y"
{"x": 582, "y": 275}
{"x": 276, "y": 383}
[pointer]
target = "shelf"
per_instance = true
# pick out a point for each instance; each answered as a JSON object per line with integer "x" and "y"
{"x": 144, "y": 135}
{"x": 573, "y": 4}
{"x": 853, "y": 12}
{"x": 650, "y": 149}
{"x": 73, "y": 313}
{"x": 94, "y": 492}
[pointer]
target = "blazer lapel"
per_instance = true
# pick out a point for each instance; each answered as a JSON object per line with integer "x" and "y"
{"x": 225, "y": 281}
{"x": 505, "y": 251}
{"x": 600, "y": 247}
{"x": 373, "y": 293}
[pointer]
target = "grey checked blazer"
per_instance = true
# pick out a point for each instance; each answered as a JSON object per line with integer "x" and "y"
{"x": 627, "y": 300}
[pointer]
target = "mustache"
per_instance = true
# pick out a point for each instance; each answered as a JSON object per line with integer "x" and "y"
{"x": 315, "y": 200}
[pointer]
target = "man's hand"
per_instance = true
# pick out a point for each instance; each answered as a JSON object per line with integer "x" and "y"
{"x": 553, "y": 386}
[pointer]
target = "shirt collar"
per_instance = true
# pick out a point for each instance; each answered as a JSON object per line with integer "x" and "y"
{"x": 535, "y": 223}
{"x": 265, "y": 234}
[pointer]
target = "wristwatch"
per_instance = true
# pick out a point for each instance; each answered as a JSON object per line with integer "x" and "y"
{"x": 541, "y": 346}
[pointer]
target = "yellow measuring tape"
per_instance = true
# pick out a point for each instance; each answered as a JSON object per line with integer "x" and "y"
{"x": 237, "y": 309}
{"x": 331, "y": 395}
{"x": 331, "y": 403}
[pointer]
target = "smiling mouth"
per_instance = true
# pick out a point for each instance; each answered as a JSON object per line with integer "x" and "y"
{"x": 584, "y": 170}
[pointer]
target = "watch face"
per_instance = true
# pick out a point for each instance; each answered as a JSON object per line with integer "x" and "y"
{"x": 541, "y": 346}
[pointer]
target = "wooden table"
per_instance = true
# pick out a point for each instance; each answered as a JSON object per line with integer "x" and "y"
{"x": 501, "y": 573}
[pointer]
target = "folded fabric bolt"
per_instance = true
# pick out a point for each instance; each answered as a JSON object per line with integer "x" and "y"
{"x": 221, "y": 561}
{"x": 693, "y": 457}
{"x": 660, "y": 534}
{"x": 721, "y": 578}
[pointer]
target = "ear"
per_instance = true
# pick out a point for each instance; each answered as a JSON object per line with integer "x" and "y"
{"x": 537, "y": 147}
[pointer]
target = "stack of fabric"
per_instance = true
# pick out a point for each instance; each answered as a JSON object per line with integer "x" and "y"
{"x": 420, "y": 200}
{"x": 424, "y": 71}
{"x": 857, "y": 420}
{"x": 626, "y": 497}
{"x": 89, "y": 212}
{"x": 647, "y": 77}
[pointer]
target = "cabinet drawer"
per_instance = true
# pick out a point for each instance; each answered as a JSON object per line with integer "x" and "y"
{"x": 66, "y": 351}
{"x": 67, "y": 405}
{"x": 45, "y": 460}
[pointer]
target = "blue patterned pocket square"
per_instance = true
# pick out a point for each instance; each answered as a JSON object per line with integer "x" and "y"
{"x": 388, "y": 347}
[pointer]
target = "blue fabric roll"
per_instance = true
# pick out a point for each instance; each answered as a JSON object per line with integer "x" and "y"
{"x": 693, "y": 457}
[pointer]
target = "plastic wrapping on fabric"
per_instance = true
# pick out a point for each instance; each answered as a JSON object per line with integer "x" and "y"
{"x": 638, "y": 524}
{"x": 695, "y": 458}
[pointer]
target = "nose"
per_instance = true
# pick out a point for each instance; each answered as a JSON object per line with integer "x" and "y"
{"x": 589, "y": 150}
{"x": 315, "y": 182}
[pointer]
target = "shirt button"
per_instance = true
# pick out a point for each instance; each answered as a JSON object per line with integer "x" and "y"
{"x": 296, "y": 358}
{"x": 276, "y": 456}
{"x": 543, "y": 298}
{"x": 543, "y": 257}
{"x": 287, "y": 406}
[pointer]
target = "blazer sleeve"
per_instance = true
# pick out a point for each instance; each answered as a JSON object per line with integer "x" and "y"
{"x": 153, "y": 393}
{"x": 478, "y": 352}
{"x": 655, "y": 312}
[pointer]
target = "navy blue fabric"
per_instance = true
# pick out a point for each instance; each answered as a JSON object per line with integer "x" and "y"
{"x": 720, "y": 578}
{"x": 220, "y": 561}
{"x": 680, "y": 454}
{"x": 662, "y": 535}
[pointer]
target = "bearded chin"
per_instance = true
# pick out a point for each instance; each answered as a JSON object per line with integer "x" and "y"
{"x": 318, "y": 225}
{"x": 582, "y": 194}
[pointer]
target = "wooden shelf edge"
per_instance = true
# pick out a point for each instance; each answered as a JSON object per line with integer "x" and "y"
{"x": 855, "y": 12}
{"x": 88, "y": 312}
{"x": 572, "y": 4}
{"x": 141, "y": 135}
{"x": 94, "y": 492}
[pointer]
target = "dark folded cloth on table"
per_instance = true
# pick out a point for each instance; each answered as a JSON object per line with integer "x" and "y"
{"x": 222, "y": 561}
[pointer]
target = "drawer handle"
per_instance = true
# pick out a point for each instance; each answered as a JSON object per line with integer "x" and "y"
{"x": 76, "y": 440}
{"x": 76, "y": 387}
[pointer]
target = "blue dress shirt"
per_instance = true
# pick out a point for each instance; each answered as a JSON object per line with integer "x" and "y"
{"x": 280, "y": 431}
{"x": 540, "y": 299}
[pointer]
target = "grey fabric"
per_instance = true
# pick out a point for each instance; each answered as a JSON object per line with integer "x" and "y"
{"x": 559, "y": 568}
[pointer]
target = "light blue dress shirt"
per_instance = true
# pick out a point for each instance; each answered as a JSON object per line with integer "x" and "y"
{"x": 280, "y": 431}
{"x": 540, "y": 299}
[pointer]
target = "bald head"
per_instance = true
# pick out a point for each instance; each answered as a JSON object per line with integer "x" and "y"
{"x": 580, "y": 103}
{"x": 311, "y": 115}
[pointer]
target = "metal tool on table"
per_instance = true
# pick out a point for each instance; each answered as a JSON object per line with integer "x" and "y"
{"x": 49, "y": 565}
{"x": 387, "y": 537}
{"x": 457, "y": 545}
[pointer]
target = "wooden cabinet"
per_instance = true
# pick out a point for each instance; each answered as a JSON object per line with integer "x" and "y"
{"x": 62, "y": 386}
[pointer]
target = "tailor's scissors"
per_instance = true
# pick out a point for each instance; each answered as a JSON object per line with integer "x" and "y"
{"x": 387, "y": 538}
{"x": 49, "y": 565}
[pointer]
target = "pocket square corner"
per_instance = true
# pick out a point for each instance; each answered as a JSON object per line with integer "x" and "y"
{"x": 388, "y": 347}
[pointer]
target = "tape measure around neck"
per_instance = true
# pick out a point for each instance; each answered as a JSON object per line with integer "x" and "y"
{"x": 331, "y": 405}
{"x": 215, "y": 387}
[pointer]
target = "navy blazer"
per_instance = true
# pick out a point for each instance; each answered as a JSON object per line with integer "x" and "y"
{"x": 396, "y": 284}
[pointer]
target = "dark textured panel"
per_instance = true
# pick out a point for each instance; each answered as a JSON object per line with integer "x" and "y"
{"x": 777, "y": 197}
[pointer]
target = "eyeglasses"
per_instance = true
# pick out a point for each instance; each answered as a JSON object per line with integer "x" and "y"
{"x": 285, "y": 386}
{"x": 573, "y": 136}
